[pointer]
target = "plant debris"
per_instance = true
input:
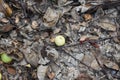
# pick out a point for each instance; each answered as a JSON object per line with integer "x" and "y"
{"x": 91, "y": 30}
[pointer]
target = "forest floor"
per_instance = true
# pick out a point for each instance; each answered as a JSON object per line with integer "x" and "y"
{"x": 91, "y": 29}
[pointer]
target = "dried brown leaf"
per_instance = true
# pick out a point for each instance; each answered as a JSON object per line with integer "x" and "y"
{"x": 11, "y": 70}
{"x": 87, "y": 17}
{"x": 6, "y": 28}
{"x": 84, "y": 76}
{"x": 107, "y": 26}
{"x": 51, "y": 75}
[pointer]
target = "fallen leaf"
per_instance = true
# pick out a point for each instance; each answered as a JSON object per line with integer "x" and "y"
{"x": 30, "y": 56}
{"x": 41, "y": 72}
{"x": 107, "y": 26}
{"x": 6, "y": 28}
{"x": 87, "y": 17}
{"x": 84, "y": 76}
{"x": 51, "y": 75}
{"x": 52, "y": 53}
{"x": 95, "y": 65}
{"x": 51, "y": 17}
{"x": 4, "y": 20}
{"x": 17, "y": 19}
{"x": 88, "y": 37}
{"x": 111, "y": 64}
{"x": 88, "y": 58}
{"x": 83, "y": 38}
{"x": 11, "y": 70}
{"x": 52, "y": 39}
{"x": 34, "y": 24}
{"x": 116, "y": 39}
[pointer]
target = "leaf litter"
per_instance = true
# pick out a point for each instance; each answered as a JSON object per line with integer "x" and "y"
{"x": 91, "y": 30}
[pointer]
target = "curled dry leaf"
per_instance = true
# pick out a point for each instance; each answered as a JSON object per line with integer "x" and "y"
{"x": 4, "y": 20}
{"x": 51, "y": 17}
{"x": 34, "y": 24}
{"x": 111, "y": 64}
{"x": 107, "y": 26}
{"x": 52, "y": 53}
{"x": 89, "y": 37}
{"x": 87, "y": 17}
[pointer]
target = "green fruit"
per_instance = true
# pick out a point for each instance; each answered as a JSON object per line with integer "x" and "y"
{"x": 59, "y": 40}
{"x": 5, "y": 58}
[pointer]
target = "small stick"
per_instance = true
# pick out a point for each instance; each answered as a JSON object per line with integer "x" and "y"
{"x": 93, "y": 41}
{"x": 79, "y": 60}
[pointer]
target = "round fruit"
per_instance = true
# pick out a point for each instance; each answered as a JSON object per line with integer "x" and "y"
{"x": 59, "y": 40}
{"x": 5, "y": 58}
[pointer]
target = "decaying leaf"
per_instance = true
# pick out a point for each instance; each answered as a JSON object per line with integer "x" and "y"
{"x": 95, "y": 65}
{"x": 88, "y": 59}
{"x": 34, "y": 24}
{"x": 6, "y": 28}
{"x": 75, "y": 14}
{"x": 51, "y": 17}
{"x": 30, "y": 56}
{"x": 107, "y": 26}
{"x": 111, "y": 64}
{"x": 4, "y": 20}
{"x": 61, "y": 2}
{"x": 89, "y": 37}
{"x": 51, "y": 75}
{"x": 16, "y": 55}
{"x": 87, "y": 17}
{"x": 52, "y": 53}
{"x": 11, "y": 70}
{"x": 41, "y": 72}
{"x": 84, "y": 76}
{"x": 83, "y": 8}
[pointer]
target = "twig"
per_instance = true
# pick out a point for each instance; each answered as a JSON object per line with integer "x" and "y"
{"x": 101, "y": 66}
{"x": 78, "y": 60}
{"x": 93, "y": 41}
